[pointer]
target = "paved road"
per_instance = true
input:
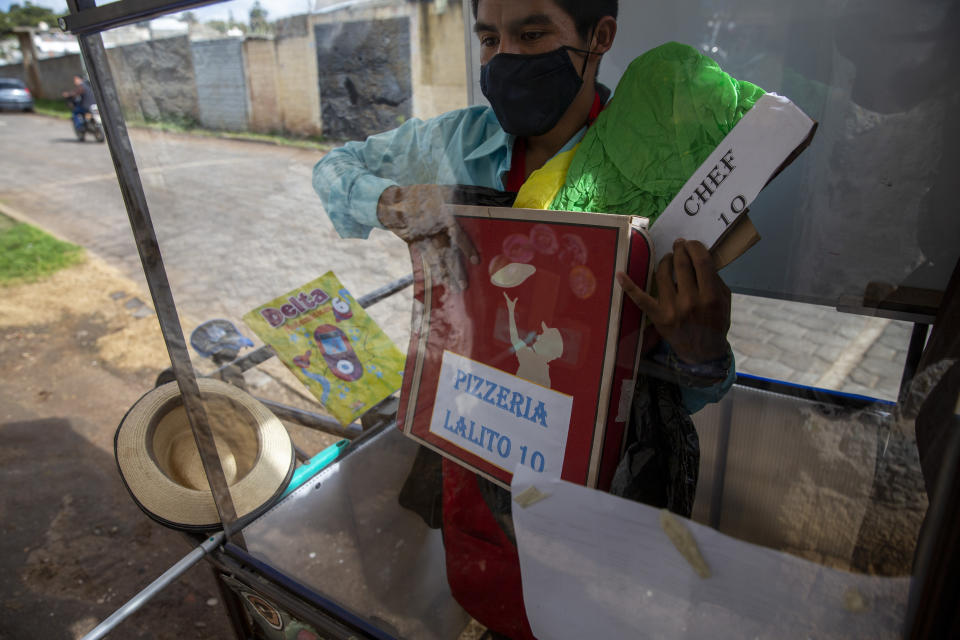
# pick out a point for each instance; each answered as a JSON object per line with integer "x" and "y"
{"x": 238, "y": 224}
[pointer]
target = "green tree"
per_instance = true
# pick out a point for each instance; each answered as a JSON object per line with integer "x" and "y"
{"x": 258, "y": 19}
{"x": 233, "y": 24}
{"x": 218, "y": 25}
{"x": 26, "y": 15}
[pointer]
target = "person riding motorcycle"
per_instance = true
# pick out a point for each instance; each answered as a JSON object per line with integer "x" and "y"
{"x": 82, "y": 99}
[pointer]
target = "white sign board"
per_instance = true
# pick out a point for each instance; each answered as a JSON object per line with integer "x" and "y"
{"x": 505, "y": 420}
{"x": 732, "y": 176}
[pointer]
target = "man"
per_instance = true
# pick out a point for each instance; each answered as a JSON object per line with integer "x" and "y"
{"x": 82, "y": 98}
{"x": 394, "y": 181}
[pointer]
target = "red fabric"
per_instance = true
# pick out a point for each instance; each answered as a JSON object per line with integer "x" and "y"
{"x": 598, "y": 106}
{"x": 518, "y": 166}
{"x": 483, "y": 568}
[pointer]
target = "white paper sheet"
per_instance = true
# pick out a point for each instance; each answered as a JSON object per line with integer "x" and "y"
{"x": 597, "y": 566}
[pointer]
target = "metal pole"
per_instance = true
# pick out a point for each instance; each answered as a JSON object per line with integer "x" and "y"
{"x": 918, "y": 339}
{"x": 155, "y": 587}
{"x": 385, "y": 291}
{"x": 932, "y": 605}
{"x": 309, "y": 419}
{"x": 128, "y": 177}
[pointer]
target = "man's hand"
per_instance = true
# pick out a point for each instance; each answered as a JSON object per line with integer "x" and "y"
{"x": 692, "y": 311}
{"x": 417, "y": 215}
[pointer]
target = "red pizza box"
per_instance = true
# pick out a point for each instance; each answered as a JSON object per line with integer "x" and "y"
{"x": 534, "y": 362}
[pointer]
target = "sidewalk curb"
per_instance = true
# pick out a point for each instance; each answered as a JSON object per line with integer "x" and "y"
{"x": 10, "y": 212}
{"x": 19, "y": 216}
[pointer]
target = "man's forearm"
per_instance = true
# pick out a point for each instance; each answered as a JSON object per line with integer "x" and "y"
{"x": 351, "y": 179}
{"x": 349, "y": 191}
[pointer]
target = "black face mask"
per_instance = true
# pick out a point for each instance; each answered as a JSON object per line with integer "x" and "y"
{"x": 530, "y": 93}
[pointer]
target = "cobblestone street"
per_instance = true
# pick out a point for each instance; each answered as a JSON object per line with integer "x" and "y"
{"x": 239, "y": 224}
{"x": 818, "y": 346}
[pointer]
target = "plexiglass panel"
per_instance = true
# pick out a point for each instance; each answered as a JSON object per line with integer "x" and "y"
{"x": 869, "y": 201}
{"x": 229, "y": 109}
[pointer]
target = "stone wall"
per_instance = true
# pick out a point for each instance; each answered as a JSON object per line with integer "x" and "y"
{"x": 155, "y": 80}
{"x": 364, "y": 76}
{"x": 221, "y": 83}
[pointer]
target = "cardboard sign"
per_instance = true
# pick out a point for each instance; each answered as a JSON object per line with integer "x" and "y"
{"x": 533, "y": 363}
{"x": 708, "y": 206}
{"x": 331, "y": 345}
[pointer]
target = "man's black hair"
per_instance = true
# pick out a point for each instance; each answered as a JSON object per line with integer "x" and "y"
{"x": 585, "y": 13}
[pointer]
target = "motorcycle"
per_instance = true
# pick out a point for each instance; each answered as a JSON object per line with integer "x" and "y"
{"x": 91, "y": 124}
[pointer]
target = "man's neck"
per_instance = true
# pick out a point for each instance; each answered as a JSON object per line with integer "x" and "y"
{"x": 541, "y": 148}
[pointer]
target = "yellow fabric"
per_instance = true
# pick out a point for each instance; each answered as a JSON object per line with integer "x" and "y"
{"x": 543, "y": 184}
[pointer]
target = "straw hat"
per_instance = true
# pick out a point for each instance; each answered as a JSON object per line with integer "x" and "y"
{"x": 161, "y": 467}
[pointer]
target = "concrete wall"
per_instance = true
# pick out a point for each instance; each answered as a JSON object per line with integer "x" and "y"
{"x": 297, "y": 78}
{"x": 439, "y": 62}
{"x": 364, "y": 76}
{"x": 261, "y": 66}
{"x": 12, "y": 71}
{"x": 56, "y": 74}
{"x": 221, "y": 83}
{"x": 282, "y": 80}
{"x": 381, "y": 65}
{"x": 155, "y": 80}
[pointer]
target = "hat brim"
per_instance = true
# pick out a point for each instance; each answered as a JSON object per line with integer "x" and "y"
{"x": 181, "y": 507}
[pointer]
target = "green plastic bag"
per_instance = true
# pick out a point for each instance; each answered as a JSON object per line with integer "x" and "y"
{"x": 671, "y": 109}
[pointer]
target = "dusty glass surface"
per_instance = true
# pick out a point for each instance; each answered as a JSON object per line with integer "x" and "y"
{"x": 226, "y": 121}
{"x": 864, "y": 209}
{"x": 229, "y": 110}
{"x": 865, "y": 203}
{"x": 344, "y": 536}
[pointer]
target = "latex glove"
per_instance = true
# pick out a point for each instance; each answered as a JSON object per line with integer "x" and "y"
{"x": 417, "y": 215}
{"x": 692, "y": 307}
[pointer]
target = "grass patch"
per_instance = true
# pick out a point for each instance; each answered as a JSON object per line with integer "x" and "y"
{"x": 27, "y": 254}
{"x": 57, "y": 108}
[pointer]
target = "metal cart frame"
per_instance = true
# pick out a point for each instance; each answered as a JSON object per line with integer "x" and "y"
{"x": 938, "y": 556}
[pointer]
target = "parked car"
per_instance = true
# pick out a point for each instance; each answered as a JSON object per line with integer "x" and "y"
{"x": 15, "y": 95}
